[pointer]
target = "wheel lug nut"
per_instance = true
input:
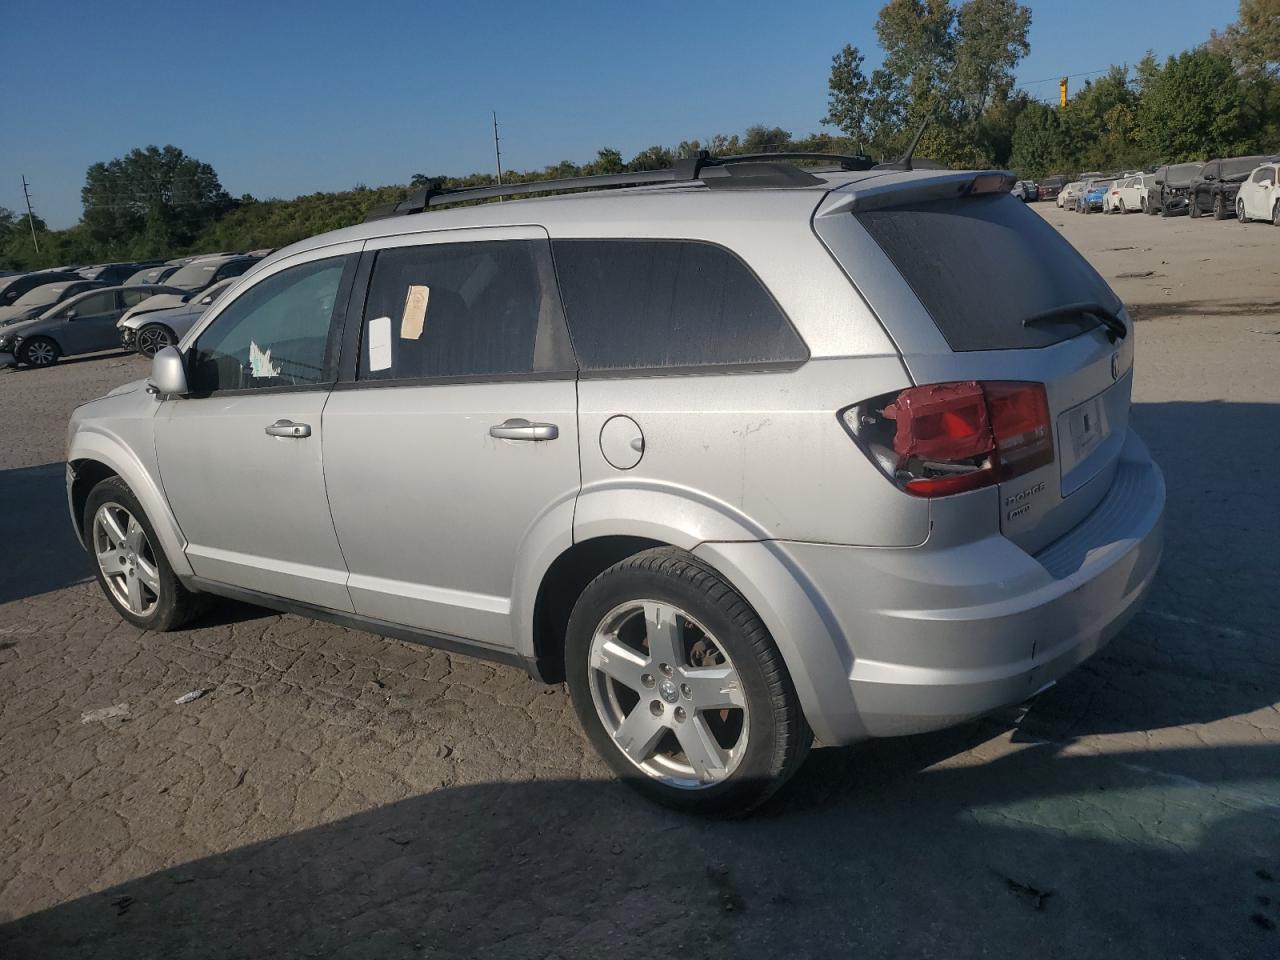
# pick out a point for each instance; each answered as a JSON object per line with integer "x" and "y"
{"x": 680, "y": 714}
{"x": 655, "y": 707}
{"x": 665, "y": 668}
{"x": 647, "y": 679}
{"x": 686, "y": 691}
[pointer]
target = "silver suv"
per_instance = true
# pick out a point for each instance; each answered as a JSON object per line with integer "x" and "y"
{"x": 752, "y": 455}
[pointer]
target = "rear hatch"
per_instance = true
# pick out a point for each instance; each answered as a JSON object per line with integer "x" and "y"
{"x": 954, "y": 273}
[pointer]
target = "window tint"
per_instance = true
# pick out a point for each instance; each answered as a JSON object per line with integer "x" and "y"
{"x": 647, "y": 304}
{"x": 134, "y": 297}
{"x": 94, "y": 305}
{"x": 981, "y": 265}
{"x": 484, "y": 308}
{"x": 276, "y": 334}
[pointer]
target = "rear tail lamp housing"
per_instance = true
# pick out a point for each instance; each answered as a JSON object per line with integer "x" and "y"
{"x": 946, "y": 438}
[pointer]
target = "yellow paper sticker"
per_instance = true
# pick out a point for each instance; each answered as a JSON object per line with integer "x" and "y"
{"x": 415, "y": 312}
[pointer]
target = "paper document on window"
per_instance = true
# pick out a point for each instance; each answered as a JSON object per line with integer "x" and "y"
{"x": 415, "y": 312}
{"x": 260, "y": 364}
{"x": 379, "y": 344}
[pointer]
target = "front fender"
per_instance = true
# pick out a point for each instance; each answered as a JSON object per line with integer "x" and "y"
{"x": 93, "y": 442}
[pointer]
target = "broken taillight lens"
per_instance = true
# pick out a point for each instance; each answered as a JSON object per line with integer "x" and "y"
{"x": 947, "y": 438}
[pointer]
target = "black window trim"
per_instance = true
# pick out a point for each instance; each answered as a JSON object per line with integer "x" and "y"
{"x": 687, "y": 370}
{"x": 353, "y": 334}
{"x": 337, "y": 329}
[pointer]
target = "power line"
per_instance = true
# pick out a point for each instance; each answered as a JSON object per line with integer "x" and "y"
{"x": 1069, "y": 76}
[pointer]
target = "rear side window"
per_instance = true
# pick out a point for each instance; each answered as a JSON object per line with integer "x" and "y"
{"x": 481, "y": 309}
{"x": 981, "y": 265}
{"x": 669, "y": 304}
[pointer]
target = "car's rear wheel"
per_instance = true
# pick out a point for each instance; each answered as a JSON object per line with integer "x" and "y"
{"x": 1275, "y": 214}
{"x": 40, "y": 352}
{"x": 680, "y": 687}
{"x": 131, "y": 567}
{"x": 1123, "y": 209}
{"x": 153, "y": 338}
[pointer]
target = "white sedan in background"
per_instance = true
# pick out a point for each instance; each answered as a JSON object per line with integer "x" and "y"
{"x": 1258, "y": 198}
{"x": 1128, "y": 194}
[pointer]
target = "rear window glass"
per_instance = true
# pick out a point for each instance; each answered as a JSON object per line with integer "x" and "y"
{"x": 981, "y": 265}
{"x": 479, "y": 309}
{"x": 1233, "y": 168}
{"x": 654, "y": 304}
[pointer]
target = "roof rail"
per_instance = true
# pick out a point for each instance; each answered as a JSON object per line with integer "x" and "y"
{"x": 684, "y": 170}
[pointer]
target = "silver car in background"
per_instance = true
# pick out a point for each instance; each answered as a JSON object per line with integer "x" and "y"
{"x": 753, "y": 455}
{"x": 82, "y": 323}
{"x": 149, "y": 331}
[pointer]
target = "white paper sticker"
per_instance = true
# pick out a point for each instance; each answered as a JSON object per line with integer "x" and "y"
{"x": 379, "y": 344}
{"x": 260, "y": 364}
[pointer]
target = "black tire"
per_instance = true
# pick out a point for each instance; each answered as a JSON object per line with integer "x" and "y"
{"x": 1123, "y": 209}
{"x": 39, "y": 352}
{"x": 778, "y": 738}
{"x": 175, "y": 605}
{"x": 1164, "y": 211}
{"x": 1193, "y": 207}
{"x": 154, "y": 337}
{"x": 1219, "y": 208}
{"x": 1240, "y": 214}
{"x": 1275, "y": 214}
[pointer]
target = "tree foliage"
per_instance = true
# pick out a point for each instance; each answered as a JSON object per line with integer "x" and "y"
{"x": 151, "y": 200}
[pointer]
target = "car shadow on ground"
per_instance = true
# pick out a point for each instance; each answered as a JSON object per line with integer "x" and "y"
{"x": 16, "y": 367}
{"x": 43, "y": 552}
{"x": 1034, "y": 854}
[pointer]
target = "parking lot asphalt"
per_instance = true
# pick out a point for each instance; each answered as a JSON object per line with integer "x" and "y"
{"x": 337, "y": 794}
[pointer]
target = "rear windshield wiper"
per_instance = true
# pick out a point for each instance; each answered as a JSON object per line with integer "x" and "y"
{"x": 1109, "y": 318}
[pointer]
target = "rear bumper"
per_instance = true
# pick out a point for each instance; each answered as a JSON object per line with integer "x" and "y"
{"x": 934, "y": 636}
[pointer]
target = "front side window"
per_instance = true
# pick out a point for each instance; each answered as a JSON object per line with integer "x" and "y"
{"x": 485, "y": 308}
{"x": 134, "y": 297}
{"x": 94, "y": 305}
{"x": 655, "y": 304}
{"x": 276, "y": 334}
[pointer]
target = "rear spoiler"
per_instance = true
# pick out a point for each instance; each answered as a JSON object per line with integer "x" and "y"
{"x": 875, "y": 193}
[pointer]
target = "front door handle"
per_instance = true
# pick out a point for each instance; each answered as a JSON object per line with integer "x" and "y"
{"x": 517, "y": 428}
{"x": 287, "y": 428}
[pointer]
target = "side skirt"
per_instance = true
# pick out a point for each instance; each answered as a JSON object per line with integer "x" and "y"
{"x": 441, "y": 641}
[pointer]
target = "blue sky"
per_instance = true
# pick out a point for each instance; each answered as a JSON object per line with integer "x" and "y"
{"x": 290, "y": 98}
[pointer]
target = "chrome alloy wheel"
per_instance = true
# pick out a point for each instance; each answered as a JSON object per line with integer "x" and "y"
{"x": 152, "y": 340}
{"x": 40, "y": 354}
{"x": 668, "y": 694}
{"x": 126, "y": 559}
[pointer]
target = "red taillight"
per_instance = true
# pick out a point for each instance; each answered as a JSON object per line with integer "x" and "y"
{"x": 947, "y": 438}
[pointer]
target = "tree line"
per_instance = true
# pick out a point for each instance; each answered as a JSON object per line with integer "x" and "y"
{"x": 946, "y": 65}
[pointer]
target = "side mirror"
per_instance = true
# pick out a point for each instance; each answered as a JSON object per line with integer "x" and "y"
{"x": 72, "y": 314}
{"x": 168, "y": 373}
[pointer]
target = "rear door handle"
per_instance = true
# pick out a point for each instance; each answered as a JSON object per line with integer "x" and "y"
{"x": 517, "y": 428}
{"x": 287, "y": 428}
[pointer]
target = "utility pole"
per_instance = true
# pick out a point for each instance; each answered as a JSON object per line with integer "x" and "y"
{"x": 30, "y": 216}
{"x": 497, "y": 152}
{"x": 1062, "y": 92}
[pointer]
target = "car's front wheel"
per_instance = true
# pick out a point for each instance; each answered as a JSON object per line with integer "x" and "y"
{"x": 132, "y": 569}
{"x": 1219, "y": 208}
{"x": 680, "y": 687}
{"x": 40, "y": 352}
{"x": 1240, "y": 214}
{"x": 1275, "y": 214}
{"x": 153, "y": 338}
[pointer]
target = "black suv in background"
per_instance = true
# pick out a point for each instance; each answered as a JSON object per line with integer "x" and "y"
{"x": 1215, "y": 187}
{"x": 1170, "y": 187}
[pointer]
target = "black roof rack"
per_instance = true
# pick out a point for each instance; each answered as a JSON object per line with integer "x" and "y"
{"x": 685, "y": 170}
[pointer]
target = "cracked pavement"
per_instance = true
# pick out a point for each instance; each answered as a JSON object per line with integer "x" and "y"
{"x": 335, "y": 794}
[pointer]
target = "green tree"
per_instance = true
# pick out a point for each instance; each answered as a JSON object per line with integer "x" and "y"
{"x": 1037, "y": 142}
{"x": 1193, "y": 108}
{"x": 849, "y": 95}
{"x": 126, "y": 196}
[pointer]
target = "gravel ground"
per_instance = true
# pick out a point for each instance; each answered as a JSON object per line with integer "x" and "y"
{"x": 336, "y": 794}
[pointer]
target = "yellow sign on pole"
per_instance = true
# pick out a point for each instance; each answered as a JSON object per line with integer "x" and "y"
{"x": 1062, "y": 92}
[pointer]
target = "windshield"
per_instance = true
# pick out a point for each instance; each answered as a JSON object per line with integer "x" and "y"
{"x": 1182, "y": 172}
{"x": 1102, "y": 185}
{"x": 194, "y": 275}
{"x": 214, "y": 292}
{"x": 1233, "y": 168}
{"x": 42, "y": 295}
